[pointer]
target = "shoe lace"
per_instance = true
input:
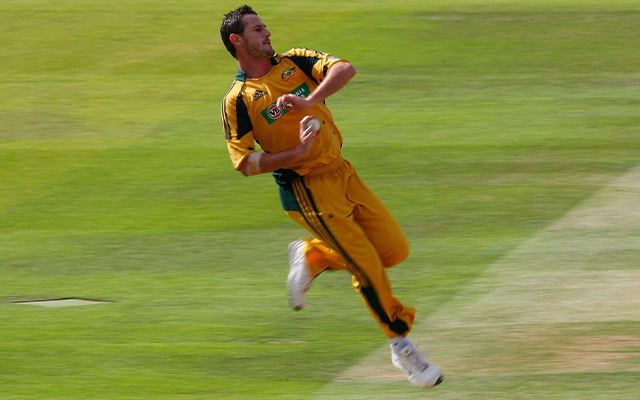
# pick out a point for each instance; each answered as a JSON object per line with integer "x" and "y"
{"x": 414, "y": 361}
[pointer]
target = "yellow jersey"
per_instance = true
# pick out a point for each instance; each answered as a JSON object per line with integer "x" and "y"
{"x": 250, "y": 114}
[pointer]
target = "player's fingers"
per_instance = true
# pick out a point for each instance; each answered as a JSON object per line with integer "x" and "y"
{"x": 307, "y": 132}
{"x": 303, "y": 121}
{"x": 284, "y": 102}
{"x": 307, "y": 135}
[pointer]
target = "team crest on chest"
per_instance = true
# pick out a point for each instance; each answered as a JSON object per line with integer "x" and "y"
{"x": 288, "y": 73}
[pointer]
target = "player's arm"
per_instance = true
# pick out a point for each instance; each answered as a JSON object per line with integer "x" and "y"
{"x": 337, "y": 77}
{"x": 259, "y": 163}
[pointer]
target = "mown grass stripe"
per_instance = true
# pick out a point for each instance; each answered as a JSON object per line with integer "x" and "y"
{"x": 505, "y": 321}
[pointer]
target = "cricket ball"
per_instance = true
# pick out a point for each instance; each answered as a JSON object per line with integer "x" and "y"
{"x": 315, "y": 123}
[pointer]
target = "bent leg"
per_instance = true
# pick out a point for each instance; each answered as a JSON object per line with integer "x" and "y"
{"x": 333, "y": 219}
{"x": 320, "y": 257}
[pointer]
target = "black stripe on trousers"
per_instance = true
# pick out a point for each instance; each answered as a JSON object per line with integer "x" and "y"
{"x": 398, "y": 326}
{"x": 310, "y": 213}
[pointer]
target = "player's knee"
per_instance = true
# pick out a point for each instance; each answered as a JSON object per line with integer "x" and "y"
{"x": 399, "y": 254}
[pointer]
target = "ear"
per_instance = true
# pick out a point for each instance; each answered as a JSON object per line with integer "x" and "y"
{"x": 235, "y": 39}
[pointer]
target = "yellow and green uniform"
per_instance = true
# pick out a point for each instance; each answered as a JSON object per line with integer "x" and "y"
{"x": 322, "y": 192}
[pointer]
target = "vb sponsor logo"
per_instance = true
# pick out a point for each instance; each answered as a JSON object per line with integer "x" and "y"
{"x": 274, "y": 111}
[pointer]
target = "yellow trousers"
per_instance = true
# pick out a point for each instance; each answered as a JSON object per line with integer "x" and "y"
{"x": 355, "y": 232}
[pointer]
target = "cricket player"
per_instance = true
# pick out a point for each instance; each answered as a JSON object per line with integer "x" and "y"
{"x": 272, "y": 102}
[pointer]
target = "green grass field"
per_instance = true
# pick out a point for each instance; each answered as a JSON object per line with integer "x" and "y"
{"x": 504, "y": 136}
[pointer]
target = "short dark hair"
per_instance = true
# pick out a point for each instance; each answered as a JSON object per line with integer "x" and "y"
{"x": 232, "y": 23}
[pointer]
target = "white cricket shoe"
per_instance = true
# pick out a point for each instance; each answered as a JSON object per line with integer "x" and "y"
{"x": 300, "y": 277}
{"x": 419, "y": 371}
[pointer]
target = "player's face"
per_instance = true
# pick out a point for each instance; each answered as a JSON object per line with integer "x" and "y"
{"x": 257, "y": 38}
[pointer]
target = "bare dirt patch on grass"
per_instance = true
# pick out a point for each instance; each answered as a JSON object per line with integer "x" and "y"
{"x": 596, "y": 353}
{"x": 509, "y": 350}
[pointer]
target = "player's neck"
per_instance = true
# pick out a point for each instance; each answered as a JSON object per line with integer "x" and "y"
{"x": 253, "y": 67}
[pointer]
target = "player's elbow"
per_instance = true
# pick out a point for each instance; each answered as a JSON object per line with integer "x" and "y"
{"x": 344, "y": 69}
{"x": 251, "y": 164}
{"x": 349, "y": 70}
{"x": 244, "y": 169}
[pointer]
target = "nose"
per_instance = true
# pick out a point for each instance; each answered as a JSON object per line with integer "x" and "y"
{"x": 268, "y": 33}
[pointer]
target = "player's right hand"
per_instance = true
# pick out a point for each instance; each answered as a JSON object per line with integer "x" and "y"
{"x": 307, "y": 134}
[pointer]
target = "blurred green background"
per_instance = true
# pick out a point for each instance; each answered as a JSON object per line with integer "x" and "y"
{"x": 477, "y": 122}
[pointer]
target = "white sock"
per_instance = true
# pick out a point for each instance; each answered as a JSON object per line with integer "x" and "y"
{"x": 399, "y": 342}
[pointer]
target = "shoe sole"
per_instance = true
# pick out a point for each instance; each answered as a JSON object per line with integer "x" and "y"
{"x": 295, "y": 305}
{"x": 416, "y": 384}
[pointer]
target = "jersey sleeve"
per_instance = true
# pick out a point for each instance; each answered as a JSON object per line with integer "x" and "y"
{"x": 314, "y": 64}
{"x": 237, "y": 126}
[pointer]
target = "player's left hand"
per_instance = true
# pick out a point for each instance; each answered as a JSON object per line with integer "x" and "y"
{"x": 293, "y": 102}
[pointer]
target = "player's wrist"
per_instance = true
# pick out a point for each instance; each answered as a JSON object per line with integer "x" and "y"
{"x": 311, "y": 100}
